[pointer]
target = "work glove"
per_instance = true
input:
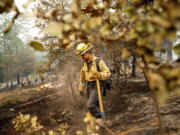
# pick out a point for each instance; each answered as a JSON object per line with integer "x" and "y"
{"x": 81, "y": 93}
{"x": 96, "y": 75}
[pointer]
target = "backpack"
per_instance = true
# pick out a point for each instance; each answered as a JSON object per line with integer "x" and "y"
{"x": 108, "y": 82}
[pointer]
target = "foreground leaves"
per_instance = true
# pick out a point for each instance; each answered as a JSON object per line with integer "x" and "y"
{"x": 176, "y": 49}
{"x": 165, "y": 80}
{"x": 37, "y": 45}
{"x": 27, "y": 124}
{"x": 5, "y": 5}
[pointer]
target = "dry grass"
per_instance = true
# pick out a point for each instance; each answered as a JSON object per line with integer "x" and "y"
{"x": 11, "y": 97}
{"x": 4, "y": 94}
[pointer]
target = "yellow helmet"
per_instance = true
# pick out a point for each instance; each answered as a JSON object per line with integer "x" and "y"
{"x": 82, "y": 48}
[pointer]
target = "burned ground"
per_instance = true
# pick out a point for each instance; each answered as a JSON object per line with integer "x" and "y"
{"x": 131, "y": 110}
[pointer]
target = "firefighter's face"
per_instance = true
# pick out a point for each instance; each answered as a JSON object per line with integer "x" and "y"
{"x": 86, "y": 57}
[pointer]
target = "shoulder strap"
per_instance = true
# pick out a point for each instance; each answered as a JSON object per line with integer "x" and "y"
{"x": 97, "y": 64}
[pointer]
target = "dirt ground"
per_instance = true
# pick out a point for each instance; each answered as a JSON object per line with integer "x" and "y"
{"x": 131, "y": 110}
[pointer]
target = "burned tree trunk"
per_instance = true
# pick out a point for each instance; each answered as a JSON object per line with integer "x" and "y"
{"x": 133, "y": 74}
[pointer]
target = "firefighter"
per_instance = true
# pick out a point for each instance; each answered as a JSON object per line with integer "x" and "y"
{"x": 88, "y": 75}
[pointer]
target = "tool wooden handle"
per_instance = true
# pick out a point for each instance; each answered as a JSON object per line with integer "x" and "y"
{"x": 100, "y": 98}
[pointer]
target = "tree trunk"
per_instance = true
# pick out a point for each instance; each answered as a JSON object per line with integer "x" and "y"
{"x": 7, "y": 75}
{"x": 18, "y": 79}
{"x": 133, "y": 74}
{"x": 11, "y": 83}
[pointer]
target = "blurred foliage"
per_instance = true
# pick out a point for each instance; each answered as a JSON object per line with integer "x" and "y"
{"x": 5, "y": 5}
{"x": 27, "y": 125}
{"x": 63, "y": 128}
{"x": 92, "y": 127}
{"x": 176, "y": 49}
{"x": 37, "y": 45}
{"x": 143, "y": 23}
{"x": 165, "y": 80}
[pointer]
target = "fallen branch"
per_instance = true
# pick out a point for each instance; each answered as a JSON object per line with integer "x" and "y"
{"x": 28, "y": 103}
{"x": 136, "y": 129}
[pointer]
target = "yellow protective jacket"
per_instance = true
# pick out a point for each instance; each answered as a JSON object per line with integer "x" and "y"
{"x": 86, "y": 75}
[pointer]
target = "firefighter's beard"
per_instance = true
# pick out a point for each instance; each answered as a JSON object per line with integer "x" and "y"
{"x": 87, "y": 58}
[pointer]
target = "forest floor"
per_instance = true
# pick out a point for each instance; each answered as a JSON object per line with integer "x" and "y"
{"x": 130, "y": 109}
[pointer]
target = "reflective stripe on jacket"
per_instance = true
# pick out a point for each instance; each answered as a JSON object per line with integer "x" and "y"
{"x": 86, "y": 75}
